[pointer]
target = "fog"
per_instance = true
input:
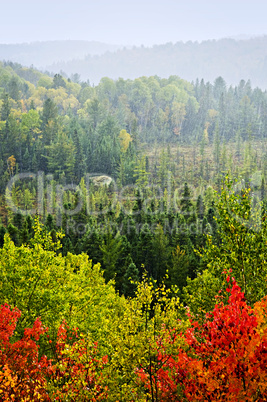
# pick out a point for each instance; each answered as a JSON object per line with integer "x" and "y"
{"x": 130, "y": 23}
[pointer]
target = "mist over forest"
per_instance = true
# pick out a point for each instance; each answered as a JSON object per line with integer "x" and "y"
{"x": 232, "y": 59}
{"x": 43, "y": 54}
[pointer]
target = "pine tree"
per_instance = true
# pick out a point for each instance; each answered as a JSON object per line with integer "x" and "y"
{"x": 14, "y": 234}
{"x": 111, "y": 249}
{"x": 186, "y": 202}
{"x": 179, "y": 268}
{"x": 145, "y": 256}
{"x": 161, "y": 253}
{"x": 216, "y": 149}
{"x": 80, "y": 166}
{"x": 13, "y": 89}
{"x": 6, "y": 108}
{"x": 130, "y": 278}
{"x": 2, "y": 235}
{"x": 200, "y": 207}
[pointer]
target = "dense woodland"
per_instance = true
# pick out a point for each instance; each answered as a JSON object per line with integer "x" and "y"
{"x": 133, "y": 237}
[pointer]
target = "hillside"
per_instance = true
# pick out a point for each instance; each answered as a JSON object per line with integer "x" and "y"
{"x": 230, "y": 58}
{"x": 41, "y": 54}
{"x": 234, "y": 60}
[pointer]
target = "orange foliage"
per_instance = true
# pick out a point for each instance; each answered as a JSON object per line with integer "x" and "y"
{"x": 225, "y": 358}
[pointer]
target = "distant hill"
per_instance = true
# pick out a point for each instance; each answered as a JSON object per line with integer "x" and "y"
{"x": 41, "y": 54}
{"x": 233, "y": 59}
{"x": 230, "y": 58}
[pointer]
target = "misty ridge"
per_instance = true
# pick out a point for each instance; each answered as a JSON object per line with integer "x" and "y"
{"x": 42, "y": 54}
{"x": 231, "y": 58}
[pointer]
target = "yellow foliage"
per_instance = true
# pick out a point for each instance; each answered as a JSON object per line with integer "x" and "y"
{"x": 212, "y": 113}
{"x": 11, "y": 164}
{"x": 40, "y": 93}
{"x": 133, "y": 337}
{"x": 206, "y": 133}
{"x": 125, "y": 139}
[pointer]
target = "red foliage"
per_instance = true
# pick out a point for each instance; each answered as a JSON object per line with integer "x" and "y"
{"x": 224, "y": 359}
{"x": 78, "y": 373}
{"x": 25, "y": 377}
{"x": 22, "y": 372}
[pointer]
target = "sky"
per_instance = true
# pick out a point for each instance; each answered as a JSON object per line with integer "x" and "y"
{"x": 134, "y": 22}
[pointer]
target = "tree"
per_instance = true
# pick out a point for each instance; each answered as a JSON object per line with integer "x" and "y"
{"x": 145, "y": 256}
{"x": 141, "y": 174}
{"x": 11, "y": 165}
{"x": 23, "y": 373}
{"x": 2, "y": 235}
{"x": 186, "y": 203}
{"x": 30, "y": 125}
{"x": 132, "y": 339}
{"x": 106, "y": 153}
{"x": 14, "y": 233}
{"x": 219, "y": 88}
{"x": 216, "y": 151}
{"x": 80, "y": 166}
{"x": 178, "y": 268}
{"x": 130, "y": 279}
{"x": 200, "y": 207}
{"x": 223, "y": 358}
{"x": 161, "y": 253}
{"x": 77, "y": 374}
{"x": 58, "y": 81}
{"x": 60, "y": 156}
{"x": 6, "y": 108}
{"x": 111, "y": 249}
{"x": 239, "y": 245}
{"x": 13, "y": 88}
{"x": 50, "y": 112}
{"x": 75, "y": 371}
{"x": 125, "y": 139}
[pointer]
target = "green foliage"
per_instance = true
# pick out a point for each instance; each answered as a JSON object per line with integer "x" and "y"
{"x": 240, "y": 249}
{"x": 43, "y": 283}
{"x": 130, "y": 280}
{"x": 111, "y": 250}
{"x": 179, "y": 268}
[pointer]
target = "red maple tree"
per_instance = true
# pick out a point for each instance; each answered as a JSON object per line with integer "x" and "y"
{"x": 222, "y": 359}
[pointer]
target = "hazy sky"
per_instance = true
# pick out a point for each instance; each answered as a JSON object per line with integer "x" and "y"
{"x": 130, "y": 22}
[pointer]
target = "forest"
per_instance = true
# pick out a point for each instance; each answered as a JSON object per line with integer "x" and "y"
{"x": 133, "y": 239}
{"x": 233, "y": 59}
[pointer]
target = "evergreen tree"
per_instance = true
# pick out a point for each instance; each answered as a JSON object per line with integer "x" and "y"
{"x": 6, "y": 108}
{"x": 186, "y": 204}
{"x": 200, "y": 207}
{"x": 14, "y": 234}
{"x": 161, "y": 253}
{"x": 179, "y": 268}
{"x": 58, "y": 81}
{"x": 129, "y": 280}
{"x": 145, "y": 256}
{"x": 2, "y": 235}
{"x": 111, "y": 249}
{"x": 13, "y": 88}
{"x": 80, "y": 166}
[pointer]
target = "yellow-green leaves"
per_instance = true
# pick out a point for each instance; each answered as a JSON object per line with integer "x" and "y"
{"x": 41, "y": 282}
{"x": 125, "y": 139}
